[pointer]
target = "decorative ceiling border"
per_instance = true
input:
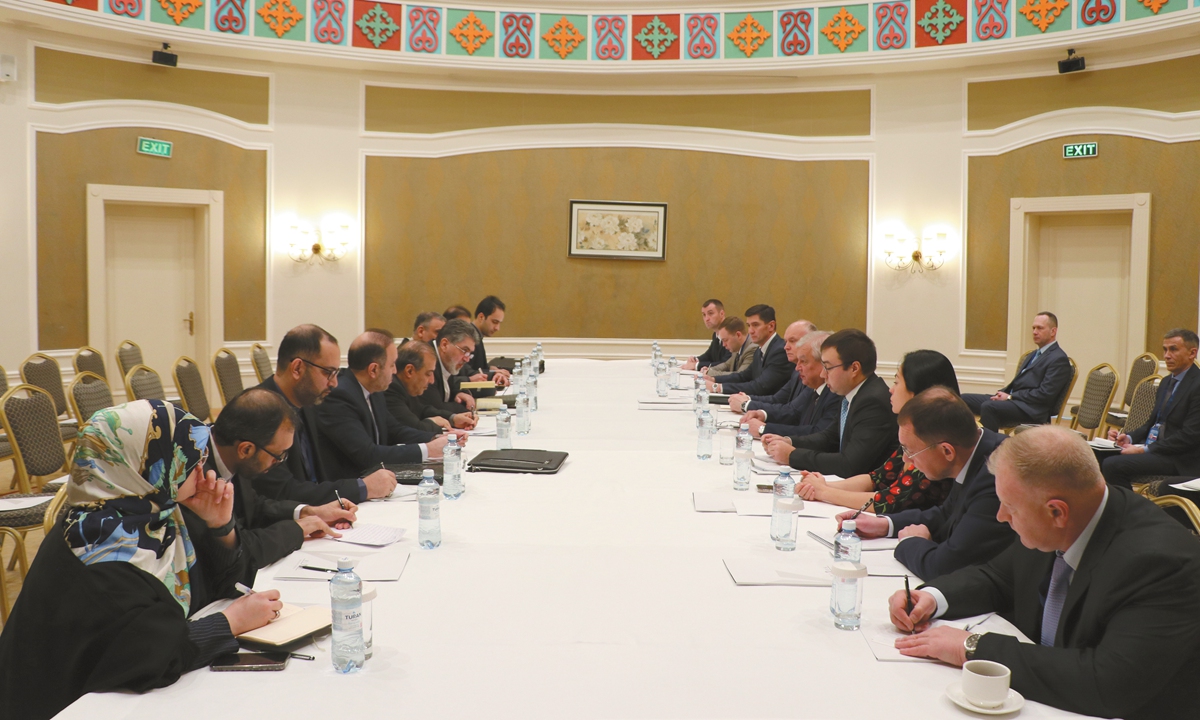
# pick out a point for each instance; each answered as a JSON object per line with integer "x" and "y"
{"x": 818, "y": 34}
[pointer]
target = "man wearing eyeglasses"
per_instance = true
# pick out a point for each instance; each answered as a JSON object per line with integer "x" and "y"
{"x": 415, "y": 363}
{"x": 455, "y": 346}
{"x": 305, "y": 374}
{"x": 940, "y": 438}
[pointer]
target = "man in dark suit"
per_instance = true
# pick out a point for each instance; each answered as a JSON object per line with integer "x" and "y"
{"x": 1035, "y": 391}
{"x": 865, "y": 432}
{"x": 804, "y": 406}
{"x": 713, "y": 313}
{"x": 1169, "y": 442}
{"x": 455, "y": 345}
{"x": 732, "y": 334}
{"x": 489, "y": 313}
{"x": 770, "y": 369}
{"x": 357, "y": 431}
{"x": 305, "y": 373}
{"x": 940, "y": 438}
{"x": 1105, "y": 582}
{"x": 427, "y": 326}
{"x": 415, "y": 363}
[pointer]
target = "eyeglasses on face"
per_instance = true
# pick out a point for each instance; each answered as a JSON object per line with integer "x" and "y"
{"x": 280, "y": 458}
{"x": 329, "y": 372}
{"x": 831, "y": 368}
{"x": 468, "y": 354}
{"x": 910, "y": 454}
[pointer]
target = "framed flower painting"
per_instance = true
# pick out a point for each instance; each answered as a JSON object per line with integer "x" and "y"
{"x": 621, "y": 230}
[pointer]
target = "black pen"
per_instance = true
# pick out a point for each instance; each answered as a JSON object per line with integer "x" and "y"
{"x": 318, "y": 569}
{"x": 866, "y": 505}
{"x": 341, "y": 504}
{"x": 298, "y": 656}
{"x": 908, "y": 603}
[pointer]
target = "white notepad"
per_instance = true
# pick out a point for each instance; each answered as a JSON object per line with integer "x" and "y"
{"x": 871, "y": 544}
{"x": 713, "y": 502}
{"x": 881, "y": 636}
{"x": 384, "y": 566}
{"x": 1192, "y": 485}
{"x": 754, "y": 571}
{"x": 7, "y": 505}
{"x": 368, "y": 534}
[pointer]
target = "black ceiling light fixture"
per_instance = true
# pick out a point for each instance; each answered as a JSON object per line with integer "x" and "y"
{"x": 1073, "y": 63}
{"x": 170, "y": 59}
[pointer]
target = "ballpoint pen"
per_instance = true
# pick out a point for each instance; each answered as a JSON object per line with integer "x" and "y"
{"x": 341, "y": 504}
{"x": 866, "y": 505}
{"x": 908, "y": 603}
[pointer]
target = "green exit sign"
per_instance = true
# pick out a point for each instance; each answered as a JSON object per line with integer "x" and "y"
{"x": 157, "y": 148}
{"x": 1080, "y": 150}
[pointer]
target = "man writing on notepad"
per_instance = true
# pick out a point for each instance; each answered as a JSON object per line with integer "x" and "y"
{"x": 732, "y": 333}
{"x": 415, "y": 362}
{"x": 489, "y": 313}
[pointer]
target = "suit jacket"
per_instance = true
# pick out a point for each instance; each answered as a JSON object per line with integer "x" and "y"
{"x": 410, "y": 410}
{"x": 869, "y": 438}
{"x": 1038, "y": 388}
{"x": 297, "y": 479}
{"x": 348, "y": 430}
{"x": 1179, "y": 437}
{"x": 1128, "y": 641}
{"x": 766, "y": 374}
{"x": 816, "y": 412}
{"x": 435, "y": 395}
{"x": 735, "y": 363}
{"x": 715, "y": 353}
{"x": 963, "y": 529}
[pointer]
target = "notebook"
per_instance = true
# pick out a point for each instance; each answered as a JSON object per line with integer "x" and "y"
{"x": 293, "y": 623}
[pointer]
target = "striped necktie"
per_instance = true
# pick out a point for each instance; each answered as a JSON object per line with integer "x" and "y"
{"x": 1060, "y": 581}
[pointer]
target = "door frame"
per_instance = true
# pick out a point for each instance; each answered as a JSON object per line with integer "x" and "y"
{"x": 209, "y": 266}
{"x": 1024, "y": 233}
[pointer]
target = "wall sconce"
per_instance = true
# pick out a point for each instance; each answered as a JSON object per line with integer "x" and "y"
{"x": 901, "y": 252}
{"x": 307, "y": 244}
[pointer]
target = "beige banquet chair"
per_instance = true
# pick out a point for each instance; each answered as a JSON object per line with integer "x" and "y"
{"x": 1143, "y": 366}
{"x": 228, "y": 373}
{"x": 190, "y": 384}
{"x": 42, "y": 371}
{"x": 129, "y": 355}
{"x": 143, "y": 383}
{"x": 261, "y": 361}
{"x": 1099, "y": 389}
{"x": 88, "y": 394}
{"x": 89, "y": 359}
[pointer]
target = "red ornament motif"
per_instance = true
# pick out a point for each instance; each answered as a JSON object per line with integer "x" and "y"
{"x": 328, "y": 26}
{"x": 130, "y": 8}
{"x": 610, "y": 37}
{"x": 991, "y": 19}
{"x": 1097, "y": 11}
{"x": 230, "y": 16}
{"x": 891, "y": 22}
{"x": 518, "y": 35}
{"x": 794, "y": 25}
{"x": 702, "y": 36}
{"x": 424, "y": 34}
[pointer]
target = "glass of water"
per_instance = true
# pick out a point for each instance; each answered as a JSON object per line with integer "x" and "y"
{"x": 725, "y": 438}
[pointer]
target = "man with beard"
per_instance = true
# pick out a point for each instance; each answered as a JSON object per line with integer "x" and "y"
{"x": 489, "y": 313}
{"x": 415, "y": 363}
{"x": 455, "y": 346}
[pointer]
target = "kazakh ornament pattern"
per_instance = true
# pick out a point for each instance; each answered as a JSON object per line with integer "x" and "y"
{"x": 563, "y": 37}
{"x": 749, "y": 35}
{"x": 702, "y": 36}
{"x": 328, "y": 27}
{"x": 940, "y": 21}
{"x": 843, "y": 29}
{"x": 610, "y": 37}
{"x": 1154, "y": 5}
{"x": 129, "y": 8}
{"x": 279, "y": 15}
{"x": 1094, "y": 12}
{"x": 180, "y": 10}
{"x": 377, "y": 26}
{"x": 471, "y": 33}
{"x": 230, "y": 16}
{"x": 794, "y": 25}
{"x": 891, "y": 26}
{"x": 991, "y": 19}
{"x": 518, "y": 35}
{"x": 656, "y": 37}
{"x": 423, "y": 29}
{"x": 1044, "y": 12}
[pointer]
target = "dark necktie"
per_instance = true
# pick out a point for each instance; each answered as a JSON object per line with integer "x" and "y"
{"x": 306, "y": 451}
{"x": 1032, "y": 359}
{"x": 374, "y": 424}
{"x": 1056, "y": 597}
{"x": 1174, "y": 385}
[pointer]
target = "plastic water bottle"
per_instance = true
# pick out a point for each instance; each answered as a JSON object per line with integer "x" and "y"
{"x": 781, "y": 510}
{"x": 847, "y": 545}
{"x": 655, "y": 355}
{"x": 660, "y": 377}
{"x": 518, "y": 375}
{"x": 523, "y": 419}
{"x": 537, "y": 355}
{"x": 741, "y": 458}
{"x": 429, "y": 495}
{"x": 846, "y": 592}
{"x": 705, "y": 425}
{"x": 345, "y": 599}
{"x": 701, "y": 399}
{"x": 452, "y": 479}
{"x": 504, "y": 429}
{"x": 531, "y": 383}
{"x": 674, "y": 368}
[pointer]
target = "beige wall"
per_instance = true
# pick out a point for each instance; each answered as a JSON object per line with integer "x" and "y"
{"x": 746, "y": 230}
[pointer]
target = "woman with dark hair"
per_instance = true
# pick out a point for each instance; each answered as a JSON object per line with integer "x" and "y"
{"x": 895, "y": 485}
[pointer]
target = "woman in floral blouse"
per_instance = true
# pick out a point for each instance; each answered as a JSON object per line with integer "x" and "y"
{"x": 894, "y": 486}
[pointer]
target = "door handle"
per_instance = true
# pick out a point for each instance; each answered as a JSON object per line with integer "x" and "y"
{"x": 191, "y": 321}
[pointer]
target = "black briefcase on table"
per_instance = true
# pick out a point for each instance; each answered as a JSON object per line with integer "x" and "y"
{"x": 718, "y": 399}
{"x": 541, "y": 462}
{"x": 410, "y": 474}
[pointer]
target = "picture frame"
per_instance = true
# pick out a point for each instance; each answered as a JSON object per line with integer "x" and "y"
{"x": 618, "y": 230}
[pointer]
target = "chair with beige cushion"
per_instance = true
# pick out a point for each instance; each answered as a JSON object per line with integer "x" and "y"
{"x": 1141, "y": 405}
{"x": 1098, "y": 392}
{"x": 1144, "y": 366}
{"x": 228, "y": 373}
{"x": 143, "y": 383}
{"x": 27, "y": 416}
{"x": 129, "y": 355}
{"x": 261, "y": 360}
{"x": 89, "y": 359}
{"x": 190, "y": 384}
{"x": 42, "y": 371}
{"x": 89, "y": 393}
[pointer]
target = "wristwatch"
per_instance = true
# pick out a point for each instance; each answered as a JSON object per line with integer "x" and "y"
{"x": 970, "y": 644}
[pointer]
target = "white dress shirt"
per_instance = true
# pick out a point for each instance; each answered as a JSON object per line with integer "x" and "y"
{"x": 378, "y": 433}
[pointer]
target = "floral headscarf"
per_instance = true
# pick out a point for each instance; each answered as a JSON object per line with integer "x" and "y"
{"x": 129, "y": 463}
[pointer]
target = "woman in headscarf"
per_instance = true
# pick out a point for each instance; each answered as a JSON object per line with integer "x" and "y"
{"x": 106, "y": 603}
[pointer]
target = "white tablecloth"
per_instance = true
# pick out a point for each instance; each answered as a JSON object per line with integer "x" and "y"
{"x": 594, "y": 593}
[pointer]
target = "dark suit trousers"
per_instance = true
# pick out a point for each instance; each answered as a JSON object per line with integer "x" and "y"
{"x": 1123, "y": 470}
{"x": 996, "y": 414}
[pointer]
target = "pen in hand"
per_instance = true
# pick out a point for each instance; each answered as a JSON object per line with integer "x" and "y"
{"x": 341, "y": 504}
{"x": 866, "y": 505}
{"x": 908, "y": 603}
{"x": 243, "y": 589}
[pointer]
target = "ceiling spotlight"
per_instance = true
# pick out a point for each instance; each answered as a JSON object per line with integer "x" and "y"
{"x": 1073, "y": 63}
{"x": 162, "y": 57}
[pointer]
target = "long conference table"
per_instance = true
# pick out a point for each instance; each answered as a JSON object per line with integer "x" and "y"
{"x": 597, "y": 592}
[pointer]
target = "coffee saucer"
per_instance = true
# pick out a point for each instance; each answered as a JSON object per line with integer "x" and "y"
{"x": 1012, "y": 703}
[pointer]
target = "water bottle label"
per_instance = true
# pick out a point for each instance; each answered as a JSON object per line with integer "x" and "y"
{"x": 348, "y": 620}
{"x": 430, "y": 512}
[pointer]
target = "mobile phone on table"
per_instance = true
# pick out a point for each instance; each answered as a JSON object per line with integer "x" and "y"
{"x": 250, "y": 662}
{"x": 765, "y": 488}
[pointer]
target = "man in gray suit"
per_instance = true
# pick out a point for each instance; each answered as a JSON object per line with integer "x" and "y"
{"x": 1035, "y": 391}
{"x": 732, "y": 334}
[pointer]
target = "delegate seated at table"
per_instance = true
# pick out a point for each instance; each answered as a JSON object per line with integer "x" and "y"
{"x": 415, "y": 362}
{"x": 1103, "y": 580}
{"x": 106, "y": 603}
{"x": 897, "y": 484}
{"x": 489, "y": 313}
{"x": 732, "y": 333}
{"x": 770, "y": 368}
{"x": 455, "y": 344}
{"x": 712, "y": 311}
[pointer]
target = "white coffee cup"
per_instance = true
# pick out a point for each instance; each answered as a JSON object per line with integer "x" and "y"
{"x": 985, "y": 683}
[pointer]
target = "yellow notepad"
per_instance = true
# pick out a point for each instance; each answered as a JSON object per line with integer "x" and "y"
{"x": 293, "y": 623}
{"x": 489, "y": 403}
{"x": 477, "y": 385}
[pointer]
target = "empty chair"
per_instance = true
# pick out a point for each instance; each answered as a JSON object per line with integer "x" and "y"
{"x": 190, "y": 384}
{"x": 28, "y": 418}
{"x": 261, "y": 361}
{"x": 1098, "y": 392}
{"x": 1141, "y": 406}
{"x": 129, "y": 355}
{"x": 88, "y": 394}
{"x": 229, "y": 374}
{"x": 42, "y": 371}
{"x": 142, "y": 383}
{"x": 89, "y": 359}
{"x": 1143, "y": 366}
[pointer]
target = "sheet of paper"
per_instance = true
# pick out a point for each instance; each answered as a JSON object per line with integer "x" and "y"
{"x": 403, "y": 493}
{"x": 867, "y": 545}
{"x": 755, "y": 571}
{"x": 753, "y": 504}
{"x": 384, "y": 566}
{"x": 373, "y": 535}
{"x": 23, "y": 503}
{"x": 881, "y": 635}
{"x": 713, "y": 502}
{"x": 669, "y": 400}
{"x": 1102, "y": 443}
{"x": 1189, "y": 485}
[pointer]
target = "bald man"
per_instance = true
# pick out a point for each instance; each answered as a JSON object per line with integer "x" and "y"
{"x": 1104, "y": 582}
{"x": 797, "y": 331}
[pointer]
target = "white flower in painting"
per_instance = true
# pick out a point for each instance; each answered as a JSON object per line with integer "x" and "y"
{"x": 610, "y": 223}
{"x": 651, "y": 244}
{"x": 593, "y": 219}
{"x": 598, "y": 243}
{"x": 633, "y": 224}
{"x": 626, "y": 241}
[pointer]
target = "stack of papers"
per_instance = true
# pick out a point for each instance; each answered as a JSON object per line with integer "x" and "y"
{"x": 403, "y": 493}
{"x": 1102, "y": 444}
{"x": 368, "y": 534}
